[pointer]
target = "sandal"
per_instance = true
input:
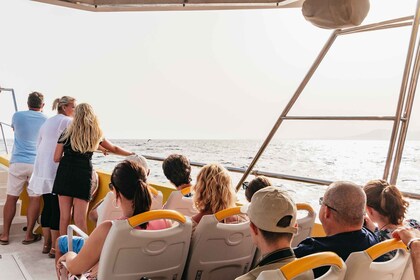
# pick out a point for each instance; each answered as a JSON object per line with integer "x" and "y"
{"x": 51, "y": 254}
{"x": 4, "y": 242}
{"x": 46, "y": 249}
{"x": 37, "y": 237}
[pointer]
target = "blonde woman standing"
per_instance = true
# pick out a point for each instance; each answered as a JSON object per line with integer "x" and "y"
{"x": 74, "y": 152}
{"x": 45, "y": 168}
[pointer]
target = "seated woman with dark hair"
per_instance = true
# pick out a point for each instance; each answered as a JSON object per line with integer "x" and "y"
{"x": 255, "y": 185}
{"x": 177, "y": 170}
{"x": 386, "y": 207}
{"x": 128, "y": 182}
{"x": 213, "y": 192}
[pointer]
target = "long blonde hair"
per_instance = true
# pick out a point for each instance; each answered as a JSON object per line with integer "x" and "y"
{"x": 213, "y": 190}
{"x": 84, "y": 131}
{"x": 59, "y": 103}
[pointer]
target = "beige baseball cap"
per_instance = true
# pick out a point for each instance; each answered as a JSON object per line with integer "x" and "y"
{"x": 268, "y": 206}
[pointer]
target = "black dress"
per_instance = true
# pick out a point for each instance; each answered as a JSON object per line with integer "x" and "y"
{"x": 74, "y": 173}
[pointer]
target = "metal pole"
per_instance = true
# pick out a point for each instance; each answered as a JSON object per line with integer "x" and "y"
{"x": 289, "y": 106}
{"x": 4, "y": 138}
{"x": 403, "y": 90}
{"x": 407, "y": 114}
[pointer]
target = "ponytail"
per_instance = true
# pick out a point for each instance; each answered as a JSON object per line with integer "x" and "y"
{"x": 142, "y": 200}
{"x": 55, "y": 104}
{"x": 393, "y": 204}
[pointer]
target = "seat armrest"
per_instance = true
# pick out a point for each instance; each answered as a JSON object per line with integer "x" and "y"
{"x": 70, "y": 230}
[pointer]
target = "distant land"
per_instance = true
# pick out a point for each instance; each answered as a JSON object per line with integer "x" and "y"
{"x": 382, "y": 134}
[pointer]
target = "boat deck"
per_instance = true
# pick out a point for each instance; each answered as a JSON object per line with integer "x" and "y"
{"x": 18, "y": 261}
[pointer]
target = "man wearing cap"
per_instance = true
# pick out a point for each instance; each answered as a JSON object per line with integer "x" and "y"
{"x": 341, "y": 214}
{"x": 272, "y": 214}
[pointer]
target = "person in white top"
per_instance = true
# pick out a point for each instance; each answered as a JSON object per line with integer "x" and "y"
{"x": 45, "y": 169}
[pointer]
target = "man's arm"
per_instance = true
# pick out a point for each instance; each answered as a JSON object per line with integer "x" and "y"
{"x": 411, "y": 237}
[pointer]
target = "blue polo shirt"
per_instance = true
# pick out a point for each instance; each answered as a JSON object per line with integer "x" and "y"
{"x": 343, "y": 244}
{"x": 26, "y": 125}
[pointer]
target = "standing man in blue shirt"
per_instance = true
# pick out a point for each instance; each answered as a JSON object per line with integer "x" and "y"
{"x": 26, "y": 125}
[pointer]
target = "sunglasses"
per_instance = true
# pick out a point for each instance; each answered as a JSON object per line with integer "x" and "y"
{"x": 245, "y": 185}
{"x": 321, "y": 202}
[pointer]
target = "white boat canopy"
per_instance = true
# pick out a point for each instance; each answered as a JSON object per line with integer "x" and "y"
{"x": 168, "y": 5}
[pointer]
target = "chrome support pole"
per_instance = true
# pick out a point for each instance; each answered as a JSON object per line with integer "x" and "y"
{"x": 341, "y": 118}
{"x": 409, "y": 104}
{"x": 4, "y": 139}
{"x": 292, "y": 101}
{"x": 403, "y": 90}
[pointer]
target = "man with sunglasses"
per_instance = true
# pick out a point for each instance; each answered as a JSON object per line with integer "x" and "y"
{"x": 342, "y": 216}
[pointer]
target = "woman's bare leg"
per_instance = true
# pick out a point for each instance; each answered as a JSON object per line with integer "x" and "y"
{"x": 66, "y": 202}
{"x": 80, "y": 213}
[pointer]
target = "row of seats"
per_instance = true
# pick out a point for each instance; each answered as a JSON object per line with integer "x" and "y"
{"x": 217, "y": 250}
{"x": 224, "y": 251}
{"x": 359, "y": 265}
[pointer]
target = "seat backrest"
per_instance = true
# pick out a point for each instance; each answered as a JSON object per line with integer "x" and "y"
{"x": 360, "y": 265}
{"x": 408, "y": 271}
{"x": 220, "y": 250}
{"x": 129, "y": 253}
{"x": 157, "y": 199}
{"x": 184, "y": 205}
{"x": 305, "y": 224}
{"x": 108, "y": 210}
{"x": 298, "y": 266}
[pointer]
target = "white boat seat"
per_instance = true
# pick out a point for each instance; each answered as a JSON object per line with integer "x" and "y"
{"x": 130, "y": 254}
{"x": 184, "y": 205}
{"x": 360, "y": 265}
{"x": 107, "y": 210}
{"x": 220, "y": 250}
{"x": 305, "y": 224}
{"x": 298, "y": 266}
{"x": 408, "y": 271}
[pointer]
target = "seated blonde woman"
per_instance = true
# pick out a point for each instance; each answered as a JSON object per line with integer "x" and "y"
{"x": 128, "y": 182}
{"x": 213, "y": 192}
{"x": 387, "y": 208}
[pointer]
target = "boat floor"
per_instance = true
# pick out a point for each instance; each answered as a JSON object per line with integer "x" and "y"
{"x": 30, "y": 259}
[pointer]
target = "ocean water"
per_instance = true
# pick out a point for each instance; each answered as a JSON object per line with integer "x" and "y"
{"x": 353, "y": 160}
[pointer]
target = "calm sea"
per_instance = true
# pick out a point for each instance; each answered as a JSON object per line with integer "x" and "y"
{"x": 353, "y": 160}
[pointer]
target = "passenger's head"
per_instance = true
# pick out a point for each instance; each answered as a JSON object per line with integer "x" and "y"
{"x": 213, "y": 190}
{"x": 65, "y": 105}
{"x": 177, "y": 169}
{"x": 35, "y": 100}
{"x": 386, "y": 200}
{"x": 273, "y": 212}
{"x": 345, "y": 202}
{"x": 140, "y": 160}
{"x": 128, "y": 179}
{"x": 255, "y": 185}
{"x": 84, "y": 131}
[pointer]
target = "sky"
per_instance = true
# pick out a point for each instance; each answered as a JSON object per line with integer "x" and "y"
{"x": 202, "y": 74}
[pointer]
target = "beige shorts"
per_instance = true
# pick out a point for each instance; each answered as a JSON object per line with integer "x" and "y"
{"x": 19, "y": 174}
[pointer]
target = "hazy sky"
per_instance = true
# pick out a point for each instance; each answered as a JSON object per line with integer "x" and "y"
{"x": 201, "y": 74}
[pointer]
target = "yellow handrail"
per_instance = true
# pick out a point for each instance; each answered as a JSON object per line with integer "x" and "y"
{"x": 154, "y": 215}
{"x": 303, "y": 264}
{"x": 305, "y": 206}
{"x": 223, "y": 214}
{"x": 186, "y": 190}
{"x": 153, "y": 191}
{"x": 384, "y": 247}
